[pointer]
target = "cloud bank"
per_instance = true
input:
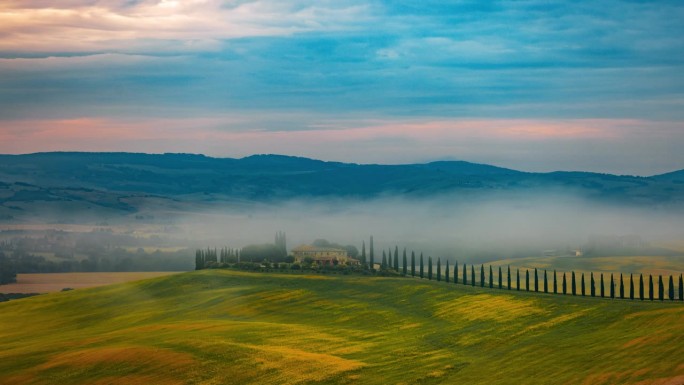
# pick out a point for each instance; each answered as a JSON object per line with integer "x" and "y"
{"x": 533, "y": 85}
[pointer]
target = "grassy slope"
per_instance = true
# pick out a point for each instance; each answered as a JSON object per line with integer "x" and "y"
{"x": 222, "y": 327}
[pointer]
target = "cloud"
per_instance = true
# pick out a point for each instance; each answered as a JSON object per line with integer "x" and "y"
{"x": 160, "y": 26}
{"x": 485, "y": 81}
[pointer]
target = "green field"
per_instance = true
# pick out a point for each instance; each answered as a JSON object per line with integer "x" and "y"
{"x": 655, "y": 265}
{"x": 229, "y": 327}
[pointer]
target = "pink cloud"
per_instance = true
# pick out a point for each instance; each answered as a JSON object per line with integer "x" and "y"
{"x": 38, "y": 135}
{"x": 500, "y": 141}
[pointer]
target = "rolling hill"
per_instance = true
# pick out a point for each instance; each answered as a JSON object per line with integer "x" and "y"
{"x": 228, "y": 327}
{"x": 120, "y": 183}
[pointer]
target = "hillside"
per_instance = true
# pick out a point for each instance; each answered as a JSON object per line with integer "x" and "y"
{"x": 625, "y": 264}
{"x": 229, "y": 327}
{"x": 117, "y": 182}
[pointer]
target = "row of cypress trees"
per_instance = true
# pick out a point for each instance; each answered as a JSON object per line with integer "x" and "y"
{"x": 390, "y": 261}
{"x": 622, "y": 292}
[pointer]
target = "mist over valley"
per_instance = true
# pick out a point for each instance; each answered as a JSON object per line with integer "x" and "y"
{"x": 453, "y": 210}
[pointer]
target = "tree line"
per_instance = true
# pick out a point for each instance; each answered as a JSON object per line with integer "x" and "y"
{"x": 416, "y": 265}
{"x": 538, "y": 281}
{"x": 114, "y": 259}
{"x": 417, "y": 268}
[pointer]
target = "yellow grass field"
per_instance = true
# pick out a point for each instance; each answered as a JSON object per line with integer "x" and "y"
{"x": 229, "y": 327}
{"x": 52, "y": 282}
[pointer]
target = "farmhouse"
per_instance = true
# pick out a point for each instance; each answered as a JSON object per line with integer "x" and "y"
{"x": 323, "y": 255}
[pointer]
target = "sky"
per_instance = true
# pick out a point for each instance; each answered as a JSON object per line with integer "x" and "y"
{"x": 531, "y": 85}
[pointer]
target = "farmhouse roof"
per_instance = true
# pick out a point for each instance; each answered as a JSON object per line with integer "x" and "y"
{"x": 316, "y": 248}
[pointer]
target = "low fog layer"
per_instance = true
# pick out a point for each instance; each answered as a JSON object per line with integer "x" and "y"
{"x": 477, "y": 230}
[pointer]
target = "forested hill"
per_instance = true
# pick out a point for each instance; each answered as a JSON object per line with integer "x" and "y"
{"x": 274, "y": 177}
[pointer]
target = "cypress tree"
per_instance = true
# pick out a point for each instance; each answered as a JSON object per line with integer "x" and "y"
{"x": 573, "y": 284}
{"x": 372, "y": 254}
{"x": 472, "y": 275}
{"x": 455, "y": 271}
{"x": 491, "y": 278}
{"x": 536, "y": 281}
{"x": 583, "y": 292}
{"x": 413, "y": 263}
{"x": 650, "y": 287}
{"x": 602, "y": 287}
{"x": 681, "y": 288}
{"x": 439, "y": 269}
{"x": 527, "y": 280}
{"x": 404, "y": 262}
{"x": 631, "y": 286}
{"x": 446, "y": 272}
{"x": 508, "y": 279}
{"x": 670, "y": 291}
{"x": 593, "y": 284}
{"x": 622, "y": 288}
{"x": 500, "y": 279}
{"x": 396, "y": 259}
{"x": 421, "y": 265}
{"x": 565, "y": 285}
{"x": 517, "y": 279}
{"x": 641, "y": 287}
{"x": 430, "y": 268}
{"x": 661, "y": 288}
{"x": 465, "y": 274}
{"x": 383, "y": 265}
{"x": 546, "y": 283}
{"x": 482, "y": 277}
{"x": 363, "y": 252}
{"x": 555, "y": 282}
{"x": 612, "y": 287}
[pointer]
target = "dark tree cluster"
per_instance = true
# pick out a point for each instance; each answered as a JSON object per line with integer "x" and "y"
{"x": 211, "y": 258}
{"x": 8, "y": 273}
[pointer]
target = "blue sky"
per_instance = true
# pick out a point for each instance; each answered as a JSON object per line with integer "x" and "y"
{"x": 534, "y": 85}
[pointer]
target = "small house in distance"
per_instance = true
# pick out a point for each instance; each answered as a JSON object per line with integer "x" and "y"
{"x": 323, "y": 255}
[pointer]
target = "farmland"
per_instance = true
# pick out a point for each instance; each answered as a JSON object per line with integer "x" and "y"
{"x": 655, "y": 265}
{"x": 51, "y": 282}
{"x": 223, "y": 326}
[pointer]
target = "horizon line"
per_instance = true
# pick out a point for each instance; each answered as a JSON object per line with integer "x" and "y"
{"x": 334, "y": 161}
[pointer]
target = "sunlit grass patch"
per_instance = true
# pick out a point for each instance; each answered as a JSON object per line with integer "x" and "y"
{"x": 500, "y": 308}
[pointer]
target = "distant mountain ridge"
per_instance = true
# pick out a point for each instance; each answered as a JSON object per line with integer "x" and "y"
{"x": 63, "y": 176}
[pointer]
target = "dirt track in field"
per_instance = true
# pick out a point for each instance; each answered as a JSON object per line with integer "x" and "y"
{"x": 51, "y": 282}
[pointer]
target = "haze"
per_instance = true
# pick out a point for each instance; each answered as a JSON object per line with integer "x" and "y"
{"x": 448, "y": 227}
